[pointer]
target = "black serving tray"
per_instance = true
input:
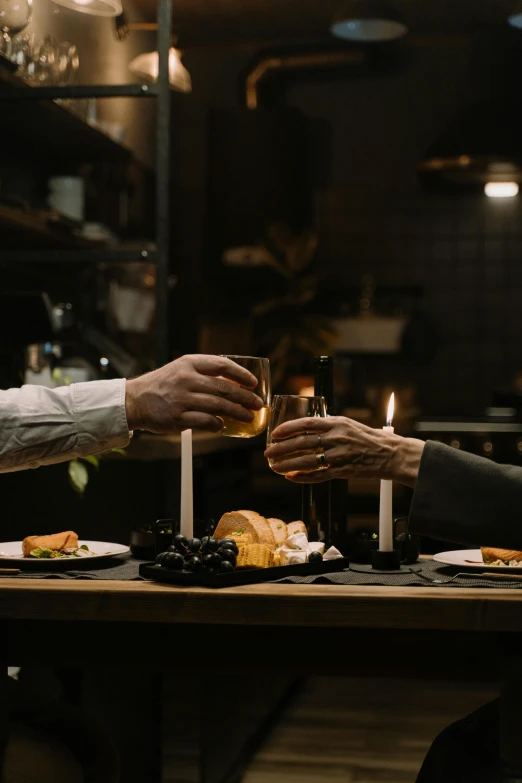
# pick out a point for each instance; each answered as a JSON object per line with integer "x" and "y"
{"x": 247, "y": 577}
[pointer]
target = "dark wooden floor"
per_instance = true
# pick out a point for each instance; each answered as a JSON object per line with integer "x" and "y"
{"x": 344, "y": 730}
{"x": 361, "y": 731}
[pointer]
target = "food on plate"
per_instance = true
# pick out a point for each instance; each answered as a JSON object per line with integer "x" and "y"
{"x": 493, "y": 556}
{"x": 194, "y": 554}
{"x": 293, "y": 556}
{"x": 298, "y": 541}
{"x": 246, "y": 540}
{"x": 57, "y": 541}
{"x": 332, "y": 554}
{"x": 56, "y": 545}
{"x": 242, "y": 539}
{"x": 296, "y": 527}
{"x": 237, "y": 523}
{"x": 279, "y": 530}
{"x": 254, "y": 556}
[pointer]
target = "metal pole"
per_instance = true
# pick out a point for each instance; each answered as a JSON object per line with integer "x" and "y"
{"x": 163, "y": 182}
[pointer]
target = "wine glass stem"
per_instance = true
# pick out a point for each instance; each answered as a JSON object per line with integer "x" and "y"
{"x": 6, "y": 44}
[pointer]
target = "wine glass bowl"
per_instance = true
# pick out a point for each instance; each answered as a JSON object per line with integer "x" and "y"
{"x": 288, "y": 407}
{"x": 15, "y": 15}
{"x": 260, "y": 367}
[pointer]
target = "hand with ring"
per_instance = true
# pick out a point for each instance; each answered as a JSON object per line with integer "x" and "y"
{"x": 313, "y": 450}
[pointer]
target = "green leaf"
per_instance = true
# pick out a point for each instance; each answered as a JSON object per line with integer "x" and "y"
{"x": 92, "y": 461}
{"x": 78, "y": 476}
{"x": 116, "y": 450}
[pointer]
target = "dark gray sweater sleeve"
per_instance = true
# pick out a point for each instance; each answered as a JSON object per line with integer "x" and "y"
{"x": 467, "y": 499}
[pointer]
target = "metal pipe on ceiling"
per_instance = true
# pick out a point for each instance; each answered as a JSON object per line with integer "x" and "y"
{"x": 325, "y": 59}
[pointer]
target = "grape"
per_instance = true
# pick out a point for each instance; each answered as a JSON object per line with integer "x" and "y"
{"x": 214, "y": 560}
{"x": 226, "y": 567}
{"x": 194, "y": 563}
{"x": 229, "y": 543}
{"x": 161, "y": 557}
{"x": 213, "y": 544}
{"x": 229, "y": 554}
{"x": 208, "y": 560}
{"x": 173, "y": 560}
{"x": 179, "y": 543}
{"x": 315, "y": 557}
{"x": 194, "y": 544}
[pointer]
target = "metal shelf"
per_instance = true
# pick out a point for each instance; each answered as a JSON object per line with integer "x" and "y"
{"x": 124, "y": 255}
{"x": 14, "y": 91}
{"x": 25, "y": 93}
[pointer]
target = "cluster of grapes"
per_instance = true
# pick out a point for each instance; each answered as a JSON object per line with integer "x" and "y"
{"x": 195, "y": 554}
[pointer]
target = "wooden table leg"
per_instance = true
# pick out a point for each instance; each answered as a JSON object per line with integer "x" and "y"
{"x": 511, "y": 720}
{"x": 129, "y": 702}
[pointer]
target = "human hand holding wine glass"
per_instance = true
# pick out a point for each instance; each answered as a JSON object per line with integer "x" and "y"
{"x": 260, "y": 367}
{"x": 288, "y": 407}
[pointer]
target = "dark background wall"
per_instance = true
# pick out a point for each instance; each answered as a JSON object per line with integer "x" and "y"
{"x": 372, "y": 214}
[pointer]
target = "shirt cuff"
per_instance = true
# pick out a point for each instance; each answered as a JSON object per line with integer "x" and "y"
{"x": 101, "y": 419}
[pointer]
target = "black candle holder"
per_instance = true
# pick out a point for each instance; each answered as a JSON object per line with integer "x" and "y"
{"x": 386, "y": 561}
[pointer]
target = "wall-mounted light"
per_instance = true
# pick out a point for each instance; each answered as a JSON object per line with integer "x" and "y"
{"x": 146, "y": 66}
{"x": 501, "y": 189}
{"x": 369, "y": 21}
{"x": 93, "y": 7}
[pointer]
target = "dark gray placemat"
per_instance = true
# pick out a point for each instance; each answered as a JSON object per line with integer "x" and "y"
{"x": 127, "y": 569}
{"x": 428, "y": 567}
{"x": 123, "y": 569}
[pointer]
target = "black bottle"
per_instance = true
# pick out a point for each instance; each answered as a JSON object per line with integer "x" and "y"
{"x": 325, "y": 505}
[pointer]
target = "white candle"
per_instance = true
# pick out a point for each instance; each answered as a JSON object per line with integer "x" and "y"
{"x": 187, "y": 507}
{"x": 386, "y": 498}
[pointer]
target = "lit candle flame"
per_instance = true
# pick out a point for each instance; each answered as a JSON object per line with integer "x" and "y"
{"x": 391, "y": 406}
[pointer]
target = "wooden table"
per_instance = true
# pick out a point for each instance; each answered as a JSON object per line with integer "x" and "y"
{"x": 283, "y": 629}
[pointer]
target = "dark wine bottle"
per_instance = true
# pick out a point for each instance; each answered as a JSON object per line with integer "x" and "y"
{"x": 325, "y": 505}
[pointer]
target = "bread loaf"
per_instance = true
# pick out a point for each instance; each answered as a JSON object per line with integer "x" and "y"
{"x": 279, "y": 530}
{"x": 296, "y": 527}
{"x": 249, "y": 522}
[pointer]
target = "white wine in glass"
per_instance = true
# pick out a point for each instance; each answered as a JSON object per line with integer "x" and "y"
{"x": 260, "y": 367}
{"x": 287, "y": 407}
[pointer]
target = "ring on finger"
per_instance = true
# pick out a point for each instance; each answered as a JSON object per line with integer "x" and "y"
{"x": 321, "y": 460}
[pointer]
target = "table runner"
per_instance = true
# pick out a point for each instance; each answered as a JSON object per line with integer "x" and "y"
{"x": 126, "y": 569}
{"x": 405, "y": 579}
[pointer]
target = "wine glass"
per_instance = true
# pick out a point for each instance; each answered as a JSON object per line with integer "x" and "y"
{"x": 15, "y": 15}
{"x": 45, "y": 55}
{"x": 287, "y": 407}
{"x": 66, "y": 63}
{"x": 259, "y": 367}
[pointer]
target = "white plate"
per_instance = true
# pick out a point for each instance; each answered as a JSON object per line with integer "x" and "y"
{"x": 471, "y": 558}
{"x": 11, "y": 552}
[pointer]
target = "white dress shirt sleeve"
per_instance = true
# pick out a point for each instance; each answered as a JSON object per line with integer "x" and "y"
{"x": 40, "y": 426}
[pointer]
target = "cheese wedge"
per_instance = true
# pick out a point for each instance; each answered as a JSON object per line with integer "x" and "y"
{"x": 298, "y": 541}
{"x": 332, "y": 554}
